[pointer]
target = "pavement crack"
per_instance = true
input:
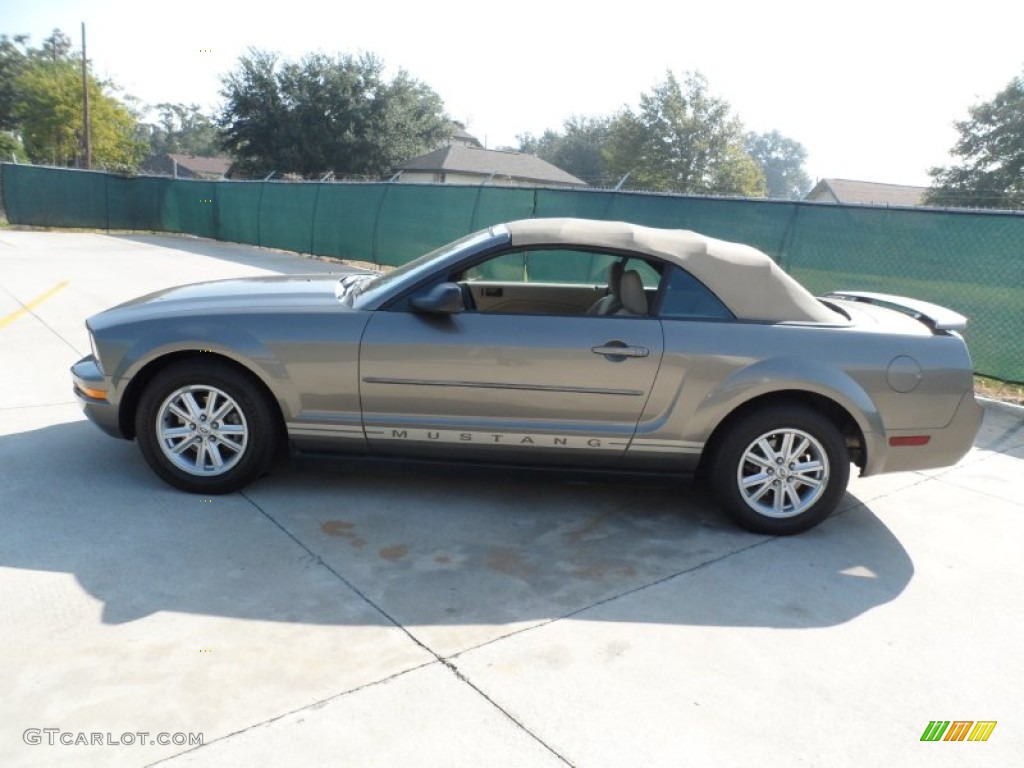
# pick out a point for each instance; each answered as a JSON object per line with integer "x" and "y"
{"x": 617, "y": 596}
{"x": 395, "y": 623}
{"x": 297, "y": 710}
{"x": 29, "y": 311}
{"x": 460, "y": 675}
{"x": 986, "y": 494}
{"x": 36, "y": 405}
{"x": 334, "y": 572}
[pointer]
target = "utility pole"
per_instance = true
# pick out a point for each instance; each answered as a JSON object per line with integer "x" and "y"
{"x": 85, "y": 104}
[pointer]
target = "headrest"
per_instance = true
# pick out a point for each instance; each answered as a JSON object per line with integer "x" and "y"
{"x": 631, "y": 293}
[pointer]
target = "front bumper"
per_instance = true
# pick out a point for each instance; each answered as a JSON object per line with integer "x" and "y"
{"x": 89, "y": 382}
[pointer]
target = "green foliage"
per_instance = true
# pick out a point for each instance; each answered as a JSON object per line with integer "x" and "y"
{"x": 11, "y": 148}
{"x": 683, "y": 139}
{"x": 12, "y": 62}
{"x": 991, "y": 146}
{"x": 114, "y": 146}
{"x": 782, "y": 162}
{"x": 181, "y": 129}
{"x": 49, "y": 111}
{"x": 325, "y": 114}
{"x": 414, "y": 120}
{"x": 578, "y": 149}
{"x": 41, "y": 104}
{"x": 50, "y": 114}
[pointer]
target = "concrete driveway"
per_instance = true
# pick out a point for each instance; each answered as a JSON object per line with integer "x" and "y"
{"x": 338, "y": 613}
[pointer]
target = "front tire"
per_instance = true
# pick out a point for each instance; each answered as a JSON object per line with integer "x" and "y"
{"x": 781, "y": 470}
{"x": 206, "y": 427}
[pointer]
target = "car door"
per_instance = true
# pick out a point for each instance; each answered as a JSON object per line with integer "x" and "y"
{"x": 507, "y": 386}
{"x": 700, "y": 354}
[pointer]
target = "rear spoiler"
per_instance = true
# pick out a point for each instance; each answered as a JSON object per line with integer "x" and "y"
{"x": 935, "y": 317}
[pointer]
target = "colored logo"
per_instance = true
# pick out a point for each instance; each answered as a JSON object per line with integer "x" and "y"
{"x": 958, "y": 730}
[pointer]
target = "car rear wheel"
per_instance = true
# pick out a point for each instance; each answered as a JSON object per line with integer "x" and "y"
{"x": 781, "y": 470}
{"x": 206, "y": 427}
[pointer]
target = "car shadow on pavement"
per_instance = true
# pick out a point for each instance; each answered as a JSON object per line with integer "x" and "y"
{"x": 423, "y": 545}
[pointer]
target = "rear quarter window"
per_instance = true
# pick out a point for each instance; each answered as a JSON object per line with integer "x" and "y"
{"x": 687, "y": 298}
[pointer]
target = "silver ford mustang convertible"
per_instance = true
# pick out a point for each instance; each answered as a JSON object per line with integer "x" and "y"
{"x": 547, "y": 342}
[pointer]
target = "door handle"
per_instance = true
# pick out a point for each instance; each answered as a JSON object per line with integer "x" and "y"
{"x": 619, "y": 349}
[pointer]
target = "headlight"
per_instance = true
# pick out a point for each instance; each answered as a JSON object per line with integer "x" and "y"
{"x": 95, "y": 354}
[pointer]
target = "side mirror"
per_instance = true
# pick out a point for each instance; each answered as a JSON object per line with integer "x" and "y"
{"x": 442, "y": 299}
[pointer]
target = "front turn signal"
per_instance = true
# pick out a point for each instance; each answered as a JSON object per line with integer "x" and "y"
{"x": 95, "y": 394}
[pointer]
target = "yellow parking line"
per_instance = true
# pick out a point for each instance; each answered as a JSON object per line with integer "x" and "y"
{"x": 8, "y": 319}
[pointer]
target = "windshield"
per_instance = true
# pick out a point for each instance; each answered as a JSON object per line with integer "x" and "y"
{"x": 377, "y": 284}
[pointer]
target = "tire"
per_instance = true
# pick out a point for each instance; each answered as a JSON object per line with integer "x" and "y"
{"x": 780, "y": 470}
{"x": 207, "y": 427}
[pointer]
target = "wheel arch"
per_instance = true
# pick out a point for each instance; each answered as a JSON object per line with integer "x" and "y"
{"x": 820, "y": 385}
{"x": 137, "y": 384}
{"x": 832, "y": 410}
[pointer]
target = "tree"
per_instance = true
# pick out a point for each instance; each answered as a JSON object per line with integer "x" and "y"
{"x": 181, "y": 129}
{"x": 12, "y": 63}
{"x": 326, "y": 114}
{"x": 414, "y": 121}
{"x": 579, "y": 149}
{"x": 41, "y": 103}
{"x": 683, "y": 139}
{"x": 782, "y": 162}
{"x": 11, "y": 148}
{"x": 991, "y": 146}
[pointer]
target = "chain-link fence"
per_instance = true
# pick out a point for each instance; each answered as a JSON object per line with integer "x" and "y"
{"x": 970, "y": 261}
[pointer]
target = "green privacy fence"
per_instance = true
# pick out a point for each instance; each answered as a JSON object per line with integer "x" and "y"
{"x": 971, "y": 261}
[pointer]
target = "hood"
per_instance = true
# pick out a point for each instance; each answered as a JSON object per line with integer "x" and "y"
{"x": 234, "y": 295}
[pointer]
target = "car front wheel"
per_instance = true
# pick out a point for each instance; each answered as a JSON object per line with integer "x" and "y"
{"x": 206, "y": 427}
{"x": 781, "y": 470}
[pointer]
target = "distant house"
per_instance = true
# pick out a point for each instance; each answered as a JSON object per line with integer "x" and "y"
{"x": 461, "y": 136}
{"x": 866, "y": 193}
{"x": 468, "y": 164}
{"x": 186, "y": 166}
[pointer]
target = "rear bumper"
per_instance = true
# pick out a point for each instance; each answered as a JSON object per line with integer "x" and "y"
{"x": 945, "y": 446}
{"x": 88, "y": 380}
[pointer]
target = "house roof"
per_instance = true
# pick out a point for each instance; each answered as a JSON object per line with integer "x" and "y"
{"x": 485, "y": 162}
{"x": 203, "y": 166}
{"x": 866, "y": 192}
{"x": 188, "y": 165}
{"x": 461, "y": 136}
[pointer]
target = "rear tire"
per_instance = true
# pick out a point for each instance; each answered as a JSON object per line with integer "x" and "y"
{"x": 780, "y": 470}
{"x": 207, "y": 427}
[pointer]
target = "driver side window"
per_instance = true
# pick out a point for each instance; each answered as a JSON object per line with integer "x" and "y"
{"x": 506, "y": 268}
{"x": 560, "y": 281}
{"x": 544, "y": 265}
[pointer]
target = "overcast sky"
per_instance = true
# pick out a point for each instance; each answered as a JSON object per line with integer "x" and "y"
{"x": 871, "y": 87}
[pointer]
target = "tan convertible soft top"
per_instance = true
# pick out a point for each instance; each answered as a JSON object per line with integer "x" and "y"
{"x": 750, "y": 284}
